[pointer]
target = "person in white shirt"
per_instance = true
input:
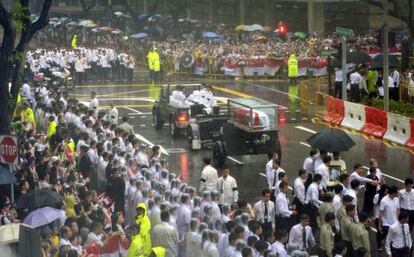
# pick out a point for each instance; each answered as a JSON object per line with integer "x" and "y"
{"x": 299, "y": 192}
{"x": 406, "y": 196}
{"x": 356, "y": 175}
{"x": 269, "y": 165}
{"x": 309, "y": 166}
{"x": 398, "y": 241}
{"x": 323, "y": 170}
{"x": 355, "y": 79}
{"x": 227, "y": 187}
{"x": 338, "y": 83}
{"x": 278, "y": 247}
{"x": 209, "y": 177}
{"x": 113, "y": 114}
{"x": 273, "y": 178}
{"x": 283, "y": 213}
{"x": 65, "y": 234}
{"x": 264, "y": 213}
{"x": 389, "y": 210}
{"x": 395, "y": 75}
{"x": 94, "y": 104}
{"x": 312, "y": 199}
{"x": 373, "y": 163}
{"x": 353, "y": 191}
{"x": 26, "y": 90}
{"x": 231, "y": 247}
{"x": 301, "y": 234}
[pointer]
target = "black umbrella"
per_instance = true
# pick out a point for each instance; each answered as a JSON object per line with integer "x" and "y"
{"x": 378, "y": 61}
{"x": 358, "y": 57}
{"x": 331, "y": 140}
{"x": 39, "y": 198}
{"x": 6, "y": 177}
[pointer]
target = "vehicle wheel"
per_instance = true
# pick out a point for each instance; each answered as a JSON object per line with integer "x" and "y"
{"x": 69, "y": 84}
{"x": 158, "y": 123}
{"x": 219, "y": 154}
{"x": 174, "y": 130}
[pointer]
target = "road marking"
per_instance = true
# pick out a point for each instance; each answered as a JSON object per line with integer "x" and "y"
{"x": 262, "y": 174}
{"x": 232, "y": 92}
{"x": 143, "y": 125}
{"x": 274, "y": 90}
{"x": 388, "y": 176}
{"x": 143, "y": 99}
{"x": 139, "y": 114}
{"x": 235, "y": 160}
{"x": 306, "y": 129}
{"x": 126, "y": 107}
{"x": 143, "y": 139}
{"x": 305, "y": 144}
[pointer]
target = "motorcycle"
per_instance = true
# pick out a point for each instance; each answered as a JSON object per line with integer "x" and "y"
{"x": 58, "y": 78}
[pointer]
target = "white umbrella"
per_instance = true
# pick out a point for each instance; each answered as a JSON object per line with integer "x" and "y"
{"x": 87, "y": 24}
{"x": 256, "y": 27}
{"x": 9, "y": 233}
{"x": 43, "y": 216}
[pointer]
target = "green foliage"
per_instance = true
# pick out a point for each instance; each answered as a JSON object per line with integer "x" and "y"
{"x": 20, "y": 14}
{"x": 397, "y": 107}
{"x": 17, "y": 57}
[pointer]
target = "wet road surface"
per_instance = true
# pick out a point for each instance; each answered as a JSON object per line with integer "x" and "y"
{"x": 295, "y": 127}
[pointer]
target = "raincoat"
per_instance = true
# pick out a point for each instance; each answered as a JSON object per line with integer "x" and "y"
{"x": 51, "y": 130}
{"x": 150, "y": 60}
{"x": 293, "y": 68}
{"x": 27, "y": 115}
{"x": 145, "y": 228}
{"x": 136, "y": 249}
{"x": 159, "y": 251}
{"x": 74, "y": 42}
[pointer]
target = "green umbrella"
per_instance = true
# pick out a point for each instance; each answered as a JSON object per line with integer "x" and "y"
{"x": 300, "y": 34}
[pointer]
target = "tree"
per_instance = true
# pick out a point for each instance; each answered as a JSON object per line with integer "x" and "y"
{"x": 403, "y": 10}
{"x": 16, "y": 22}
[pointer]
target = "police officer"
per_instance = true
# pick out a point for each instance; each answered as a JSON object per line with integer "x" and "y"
{"x": 293, "y": 68}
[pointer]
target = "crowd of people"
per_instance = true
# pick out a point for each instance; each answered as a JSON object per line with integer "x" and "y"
{"x": 117, "y": 196}
{"x": 97, "y": 64}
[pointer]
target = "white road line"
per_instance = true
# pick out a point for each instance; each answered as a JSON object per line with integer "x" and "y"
{"x": 128, "y": 108}
{"x": 235, "y": 160}
{"x": 262, "y": 174}
{"x": 143, "y": 139}
{"x": 388, "y": 176}
{"x": 138, "y": 114}
{"x": 306, "y": 129}
{"x": 274, "y": 90}
{"x": 143, "y": 99}
{"x": 305, "y": 144}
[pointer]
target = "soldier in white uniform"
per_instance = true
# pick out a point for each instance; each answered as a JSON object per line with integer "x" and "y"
{"x": 209, "y": 177}
{"x": 227, "y": 186}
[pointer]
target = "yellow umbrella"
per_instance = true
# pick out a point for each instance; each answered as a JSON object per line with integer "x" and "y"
{"x": 240, "y": 27}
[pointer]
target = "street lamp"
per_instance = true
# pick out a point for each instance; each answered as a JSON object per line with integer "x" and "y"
{"x": 385, "y": 70}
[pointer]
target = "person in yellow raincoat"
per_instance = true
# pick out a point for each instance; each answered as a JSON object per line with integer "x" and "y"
{"x": 74, "y": 42}
{"x": 27, "y": 116}
{"x": 150, "y": 64}
{"x": 156, "y": 65}
{"x": 51, "y": 129}
{"x": 145, "y": 227}
{"x": 158, "y": 252}
{"x": 68, "y": 148}
{"x": 293, "y": 68}
{"x": 136, "y": 248}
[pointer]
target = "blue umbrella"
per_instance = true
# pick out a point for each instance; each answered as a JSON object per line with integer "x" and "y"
{"x": 140, "y": 35}
{"x": 6, "y": 177}
{"x": 208, "y": 34}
